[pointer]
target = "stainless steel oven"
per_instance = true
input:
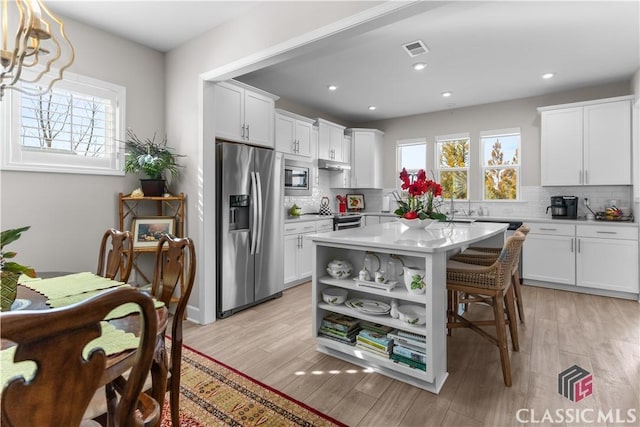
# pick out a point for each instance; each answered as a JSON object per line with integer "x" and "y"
{"x": 297, "y": 178}
{"x": 346, "y": 220}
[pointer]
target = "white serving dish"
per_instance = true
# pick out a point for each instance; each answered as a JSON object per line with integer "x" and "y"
{"x": 387, "y": 285}
{"x": 339, "y": 269}
{"x": 412, "y": 314}
{"x": 335, "y": 296}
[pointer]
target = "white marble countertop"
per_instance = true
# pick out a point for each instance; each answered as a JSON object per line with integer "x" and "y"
{"x": 314, "y": 217}
{"x": 306, "y": 217}
{"x": 580, "y": 221}
{"x": 438, "y": 237}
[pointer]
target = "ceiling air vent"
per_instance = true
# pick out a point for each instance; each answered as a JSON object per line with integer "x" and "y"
{"x": 415, "y": 48}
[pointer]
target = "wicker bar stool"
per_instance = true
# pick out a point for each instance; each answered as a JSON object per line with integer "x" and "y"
{"x": 491, "y": 284}
{"x": 487, "y": 256}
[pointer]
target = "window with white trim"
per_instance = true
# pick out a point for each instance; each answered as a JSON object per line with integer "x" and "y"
{"x": 452, "y": 153}
{"x": 76, "y": 127}
{"x": 412, "y": 155}
{"x": 500, "y": 151}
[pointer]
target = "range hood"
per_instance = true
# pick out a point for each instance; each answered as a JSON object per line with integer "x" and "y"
{"x": 333, "y": 165}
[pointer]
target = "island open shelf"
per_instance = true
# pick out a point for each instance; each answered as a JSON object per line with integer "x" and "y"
{"x": 426, "y": 249}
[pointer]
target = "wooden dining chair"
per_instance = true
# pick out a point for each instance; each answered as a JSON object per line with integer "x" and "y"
{"x": 64, "y": 381}
{"x": 486, "y": 256}
{"x": 175, "y": 263}
{"x": 492, "y": 284}
{"x": 116, "y": 255}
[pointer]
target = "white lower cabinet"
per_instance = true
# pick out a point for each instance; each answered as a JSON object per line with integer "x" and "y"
{"x": 549, "y": 254}
{"x": 298, "y": 251}
{"x": 598, "y": 257}
{"x": 371, "y": 220}
{"x": 377, "y": 219}
{"x": 607, "y": 258}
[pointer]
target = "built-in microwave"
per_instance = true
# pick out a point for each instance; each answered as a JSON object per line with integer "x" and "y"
{"x": 297, "y": 178}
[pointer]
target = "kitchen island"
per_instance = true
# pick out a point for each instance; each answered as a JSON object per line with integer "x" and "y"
{"x": 427, "y": 249}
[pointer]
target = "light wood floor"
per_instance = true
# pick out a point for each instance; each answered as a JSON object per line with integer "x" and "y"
{"x": 273, "y": 343}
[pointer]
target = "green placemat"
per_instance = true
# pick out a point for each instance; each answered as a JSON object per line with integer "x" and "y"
{"x": 71, "y": 284}
{"x": 112, "y": 340}
{"x": 121, "y": 311}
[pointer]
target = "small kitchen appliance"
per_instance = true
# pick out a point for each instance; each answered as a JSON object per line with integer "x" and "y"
{"x": 325, "y": 209}
{"x": 563, "y": 207}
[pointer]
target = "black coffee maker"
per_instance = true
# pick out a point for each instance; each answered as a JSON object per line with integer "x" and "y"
{"x": 563, "y": 207}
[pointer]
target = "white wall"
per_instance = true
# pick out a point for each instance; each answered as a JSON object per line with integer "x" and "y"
{"x": 241, "y": 43}
{"x": 520, "y": 113}
{"x": 68, "y": 213}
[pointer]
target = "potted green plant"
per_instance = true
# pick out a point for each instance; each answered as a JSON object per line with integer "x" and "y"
{"x": 11, "y": 271}
{"x": 154, "y": 159}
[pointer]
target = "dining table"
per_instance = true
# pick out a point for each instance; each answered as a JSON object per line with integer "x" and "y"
{"x": 120, "y": 328}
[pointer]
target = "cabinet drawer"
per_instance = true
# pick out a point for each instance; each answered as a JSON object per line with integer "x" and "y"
{"x": 324, "y": 225}
{"x": 607, "y": 232}
{"x": 299, "y": 227}
{"x": 552, "y": 228}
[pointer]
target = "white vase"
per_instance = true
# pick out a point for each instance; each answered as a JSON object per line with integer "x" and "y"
{"x": 414, "y": 280}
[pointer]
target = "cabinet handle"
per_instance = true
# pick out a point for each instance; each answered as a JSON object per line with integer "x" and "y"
{"x": 606, "y": 232}
{"x": 247, "y": 131}
{"x": 243, "y": 131}
{"x": 548, "y": 229}
{"x": 578, "y": 245}
{"x": 298, "y": 146}
{"x": 571, "y": 245}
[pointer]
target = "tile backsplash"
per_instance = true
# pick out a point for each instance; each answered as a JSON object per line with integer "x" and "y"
{"x": 532, "y": 204}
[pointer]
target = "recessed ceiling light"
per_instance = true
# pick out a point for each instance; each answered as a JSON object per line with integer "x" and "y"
{"x": 419, "y": 66}
{"x": 372, "y": 107}
{"x": 332, "y": 87}
{"x": 548, "y": 75}
{"x": 447, "y": 94}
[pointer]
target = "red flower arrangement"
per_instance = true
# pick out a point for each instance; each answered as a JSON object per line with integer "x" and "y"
{"x": 421, "y": 202}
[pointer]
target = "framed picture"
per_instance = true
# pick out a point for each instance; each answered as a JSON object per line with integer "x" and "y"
{"x": 355, "y": 201}
{"x": 148, "y": 230}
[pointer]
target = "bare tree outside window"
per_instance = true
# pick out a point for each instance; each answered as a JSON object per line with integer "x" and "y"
{"x": 64, "y": 123}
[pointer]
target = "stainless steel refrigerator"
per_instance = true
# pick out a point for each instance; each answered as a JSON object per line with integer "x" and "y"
{"x": 250, "y": 218}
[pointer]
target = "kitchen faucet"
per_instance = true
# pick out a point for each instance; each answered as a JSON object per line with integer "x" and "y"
{"x": 452, "y": 210}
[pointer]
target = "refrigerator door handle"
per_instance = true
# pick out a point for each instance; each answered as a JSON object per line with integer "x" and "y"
{"x": 260, "y": 213}
{"x": 254, "y": 213}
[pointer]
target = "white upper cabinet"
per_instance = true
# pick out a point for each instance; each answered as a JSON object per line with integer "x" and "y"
{"x": 607, "y": 143}
{"x": 587, "y": 143}
{"x": 244, "y": 114}
{"x": 366, "y": 158}
{"x": 330, "y": 141}
{"x": 293, "y": 134}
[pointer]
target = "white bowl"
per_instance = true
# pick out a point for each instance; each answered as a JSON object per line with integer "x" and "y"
{"x": 335, "y": 296}
{"x": 417, "y": 223}
{"x": 412, "y": 314}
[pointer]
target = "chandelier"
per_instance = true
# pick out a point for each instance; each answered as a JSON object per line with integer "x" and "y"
{"x": 34, "y": 48}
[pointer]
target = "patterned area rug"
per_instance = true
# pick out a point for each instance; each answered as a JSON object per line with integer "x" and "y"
{"x": 213, "y": 394}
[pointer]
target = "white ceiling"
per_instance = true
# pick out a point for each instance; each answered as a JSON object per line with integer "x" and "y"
{"x": 483, "y": 52}
{"x": 159, "y": 24}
